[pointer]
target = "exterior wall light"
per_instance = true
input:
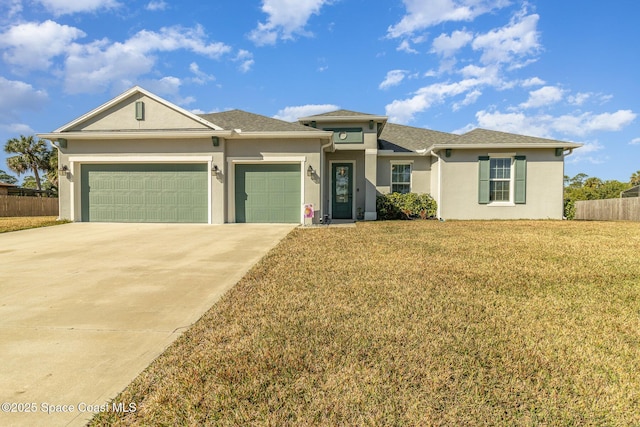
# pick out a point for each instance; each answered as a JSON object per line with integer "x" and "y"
{"x": 310, "y": 171}
{"x": 215, "y": 140}
{"x": 63, "y": 170}
{"x": 215, "y": 170}
{"x": 447, "y": 152}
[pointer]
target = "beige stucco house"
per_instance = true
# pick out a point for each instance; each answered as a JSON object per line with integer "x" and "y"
{"x": 139, "y": 158}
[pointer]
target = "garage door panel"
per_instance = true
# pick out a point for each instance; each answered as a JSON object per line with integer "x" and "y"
{"x": 268, "y": 193}
{"x": 144, "y": 192}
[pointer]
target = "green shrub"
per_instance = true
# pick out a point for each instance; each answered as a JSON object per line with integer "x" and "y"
{"x": 570, "y": 209}
{"x": 405, "y": 206}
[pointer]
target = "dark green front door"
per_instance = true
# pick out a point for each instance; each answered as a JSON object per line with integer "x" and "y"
{"x": 342, "y": 191}
{"x": 151, "y": 192}
{"x": 268, "y": 193}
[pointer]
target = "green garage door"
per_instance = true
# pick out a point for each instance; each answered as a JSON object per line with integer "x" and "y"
{"x": 156, "y": 192}
{"x": 268, "y": 193}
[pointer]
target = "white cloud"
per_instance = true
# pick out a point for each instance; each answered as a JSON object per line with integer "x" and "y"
{"x": 95, "y": 66}
{"x": 17, "y": 95}
{"x": 546, "y": 126}
{"x": 579, "y": 98}
{"x": 469, "y": 99}
{"x": 635, "y": 141}
{"x": 292, "y": 114}
{"x": 534, "y": 81}
{"x": 514, "y": 123}
{"x": 17, "y": 129}
{"x": 286, "y": 18}
{"x": 423, "y": 14}
{"x": 155, "y": 5}
{"x": 403, "y": 111}
{"x": 544, "y": 96}
{"x": 64, "y": 7}
{"x": 394, "y": 78}
{"x": 200, "y": 76}
{"x": 447, "y": 45}
{"x": 405, "y": 46}
{"x": 246, "y": 60}
{"x": 518, "y": 39}
{"x": 32, "y": 45}
{"x": 585, "y": 153}
{"x": 168, "y": 87}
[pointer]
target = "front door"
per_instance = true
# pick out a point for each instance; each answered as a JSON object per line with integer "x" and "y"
{"x": 342, "y": 191}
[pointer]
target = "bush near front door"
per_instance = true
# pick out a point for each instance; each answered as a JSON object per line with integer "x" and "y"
{"x": 406, "y": 206}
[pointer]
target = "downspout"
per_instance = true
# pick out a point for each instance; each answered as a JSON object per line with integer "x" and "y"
{"x": 433, "y": 153}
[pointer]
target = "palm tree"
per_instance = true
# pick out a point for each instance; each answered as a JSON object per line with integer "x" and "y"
{"x": 31, "y": 155}
{"x": 635, "y": 178}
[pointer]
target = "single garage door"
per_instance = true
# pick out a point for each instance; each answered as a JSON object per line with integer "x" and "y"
{"x": 268, "y": 193}
{"x": 157, "y": 192}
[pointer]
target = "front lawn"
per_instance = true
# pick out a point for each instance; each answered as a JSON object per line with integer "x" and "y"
{"x": 414, "y": 323}
{"x": 26, "y": 222}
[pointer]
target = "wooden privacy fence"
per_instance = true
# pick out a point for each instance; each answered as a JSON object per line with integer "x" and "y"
{"x": 609, "y": 209}
{"x": 28, "y": 206}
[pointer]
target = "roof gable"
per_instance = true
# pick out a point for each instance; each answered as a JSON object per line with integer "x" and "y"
{"x": 119, "y": 114}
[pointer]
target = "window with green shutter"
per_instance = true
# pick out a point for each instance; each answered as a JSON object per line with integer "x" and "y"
{"x": 502, "y": 180}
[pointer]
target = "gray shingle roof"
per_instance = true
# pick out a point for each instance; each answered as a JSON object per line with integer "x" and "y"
{"x": 250, "y": 122}
{"x": 342, "y": 113}
{"x": 407, "y": 138}
{"x": 485, "y": 136}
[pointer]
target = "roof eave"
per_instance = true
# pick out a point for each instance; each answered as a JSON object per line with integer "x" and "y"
{"x": 160, "y": 134}
{"x": 559, "y": 144}
{"x": 282, "y": 135}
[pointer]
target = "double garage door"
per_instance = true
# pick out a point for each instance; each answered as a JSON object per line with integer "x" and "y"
{"x": 157, "y": 192}
{"x": 162, "y": 192}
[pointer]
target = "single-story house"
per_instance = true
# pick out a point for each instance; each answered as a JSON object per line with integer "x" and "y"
{"x": 140, "y": 158}
{"x": 4, "y": 188}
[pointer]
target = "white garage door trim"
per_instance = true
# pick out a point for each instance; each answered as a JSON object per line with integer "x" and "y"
{"x": 75, "y": 163}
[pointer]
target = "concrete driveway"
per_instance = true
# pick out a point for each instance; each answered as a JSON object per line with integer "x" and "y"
{"x": 84, "y": 308}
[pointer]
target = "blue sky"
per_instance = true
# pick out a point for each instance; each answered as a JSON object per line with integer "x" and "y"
{"x": 565, "y": 69}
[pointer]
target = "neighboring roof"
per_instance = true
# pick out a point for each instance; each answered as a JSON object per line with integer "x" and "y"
{"x": 5, "y": 184}
{"x": 250, "y": 122}
{"x": 485, "y": 136}
{"x": 403, "y": 138}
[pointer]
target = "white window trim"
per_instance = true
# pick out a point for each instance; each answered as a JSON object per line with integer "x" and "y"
{"x": 512, "y": 182}
{"x": 401, "y": 162}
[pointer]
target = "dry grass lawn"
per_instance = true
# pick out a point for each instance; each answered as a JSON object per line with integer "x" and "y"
{"x": 414, "y": 323}
{"x": 25, "y": 222}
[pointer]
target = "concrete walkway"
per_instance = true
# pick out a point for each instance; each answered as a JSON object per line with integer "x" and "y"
{"x": 84, "y": 308}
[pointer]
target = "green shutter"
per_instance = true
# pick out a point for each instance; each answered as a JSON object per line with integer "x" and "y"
{"x": 483, "y": 180}
{"x": 520, "y": 196}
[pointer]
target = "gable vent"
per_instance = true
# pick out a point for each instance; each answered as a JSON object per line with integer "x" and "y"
{"x": 139, "y": 110}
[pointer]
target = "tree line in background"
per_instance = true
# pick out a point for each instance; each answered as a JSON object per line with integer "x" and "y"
{"x": 584, "y": 187}
{"x": 32, "y": 156}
